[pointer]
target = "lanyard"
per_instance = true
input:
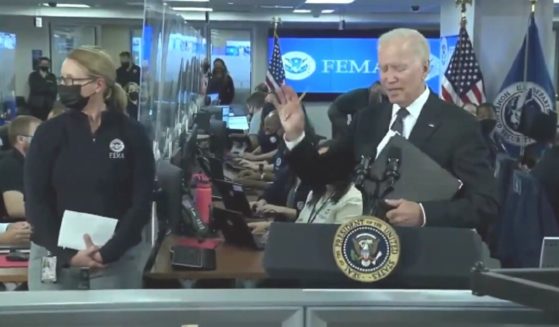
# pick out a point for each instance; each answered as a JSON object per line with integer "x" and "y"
{"x": 314, "y": 212}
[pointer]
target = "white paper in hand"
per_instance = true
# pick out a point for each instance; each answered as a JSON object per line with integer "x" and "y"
{"x": 76, "y": 224}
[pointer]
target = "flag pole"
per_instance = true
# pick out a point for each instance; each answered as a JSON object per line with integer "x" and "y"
{"x": 525, "y": 73}
{"x": 533, "y": 11}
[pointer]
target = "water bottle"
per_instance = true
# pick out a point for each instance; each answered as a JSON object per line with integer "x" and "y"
{"x": 203, "y": 198}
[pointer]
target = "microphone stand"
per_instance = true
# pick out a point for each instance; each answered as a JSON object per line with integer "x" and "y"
{"x": 373, "y": 204}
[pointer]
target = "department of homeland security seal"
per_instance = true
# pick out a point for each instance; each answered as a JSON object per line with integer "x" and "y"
{"x": 509, "y": 104}
{"x": 366, "y": 249}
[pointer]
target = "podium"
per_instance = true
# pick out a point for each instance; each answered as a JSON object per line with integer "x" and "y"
{"x": 436, "y": 258}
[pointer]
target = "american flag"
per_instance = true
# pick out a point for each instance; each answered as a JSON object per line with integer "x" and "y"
{"x": 275, "y": 77}
{"x": 463, "y": 81}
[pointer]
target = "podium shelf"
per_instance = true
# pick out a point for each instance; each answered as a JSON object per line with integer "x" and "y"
{"x": 535, "y": 288}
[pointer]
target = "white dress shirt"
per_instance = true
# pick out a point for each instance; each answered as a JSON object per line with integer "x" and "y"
{"x": 409, "y": 121}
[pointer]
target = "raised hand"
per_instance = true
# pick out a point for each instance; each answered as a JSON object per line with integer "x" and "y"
{"x": 291, "y": 112}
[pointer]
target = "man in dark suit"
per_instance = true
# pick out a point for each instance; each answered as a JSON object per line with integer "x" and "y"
{"x": 446, "y": 133}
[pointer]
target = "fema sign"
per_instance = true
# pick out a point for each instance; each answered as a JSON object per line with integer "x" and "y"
{"x": 509, "y": 104}
{"x": 337, "y": 65}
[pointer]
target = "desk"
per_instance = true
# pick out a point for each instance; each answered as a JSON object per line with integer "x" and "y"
{"x": 13, "y": 275}
{"x": 231, "y": 263}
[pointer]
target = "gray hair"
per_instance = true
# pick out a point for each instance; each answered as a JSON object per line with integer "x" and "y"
{"x": 418, "y": 42}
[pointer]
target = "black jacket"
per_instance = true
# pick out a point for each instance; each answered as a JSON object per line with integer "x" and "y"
{"x": 125, "y": 75}
{"x": 42, "y": 93}
{"x": 346, "y": 104}
{"x": 109, "y": 173}
{"x": 446, "y": 133}
{"x": 224, "y": 87}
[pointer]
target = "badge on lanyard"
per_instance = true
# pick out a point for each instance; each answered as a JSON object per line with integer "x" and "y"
{"x": 83, "y": 283}
{"x": 48, "y": 269}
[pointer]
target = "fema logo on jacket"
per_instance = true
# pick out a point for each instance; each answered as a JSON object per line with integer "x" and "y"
{"x": 526, "y": 92}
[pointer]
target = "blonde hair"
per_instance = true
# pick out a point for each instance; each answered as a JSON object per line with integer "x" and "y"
{"x": 418, "y": 42}
{"x": 21, "y": 126}
{"x": 99, "y": 64}
{"x": 57, "y": 110}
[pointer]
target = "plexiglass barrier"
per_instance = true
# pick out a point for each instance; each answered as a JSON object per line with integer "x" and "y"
{"x": 171, "y": 92}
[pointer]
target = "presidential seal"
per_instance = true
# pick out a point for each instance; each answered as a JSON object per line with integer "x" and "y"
{"x": 509, "y": 105}
{"x": 366, "y": 249}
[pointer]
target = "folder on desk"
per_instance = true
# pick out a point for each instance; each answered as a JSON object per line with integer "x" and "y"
{"x": 421, "y": 178}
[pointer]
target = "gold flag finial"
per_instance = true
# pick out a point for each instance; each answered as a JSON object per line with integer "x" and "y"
{"x": 462, "y": 4}
{"x": 276, "y": 21}
{"x": 533, "y": 3}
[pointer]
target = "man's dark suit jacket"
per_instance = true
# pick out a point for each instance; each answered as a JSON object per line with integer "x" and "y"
{"x": 448, "y": 134}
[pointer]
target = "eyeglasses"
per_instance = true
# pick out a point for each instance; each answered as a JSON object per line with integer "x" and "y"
{"x": 69, "y": 81}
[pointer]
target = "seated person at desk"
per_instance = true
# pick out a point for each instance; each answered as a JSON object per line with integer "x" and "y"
{"x": 284, "y": 198}
{"x": 15, "y": 233}
{"x": 334, "y": 203}
{"x": 20, "y": 134}
{"x": 264, "y": 143}
{"x": 273, "y": 136}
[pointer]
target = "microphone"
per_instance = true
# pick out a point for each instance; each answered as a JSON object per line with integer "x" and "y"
{"x": 392, "y": 171}
{"x": 362, "y": 170}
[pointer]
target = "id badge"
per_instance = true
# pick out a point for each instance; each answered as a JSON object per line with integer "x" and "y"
{"x": 48, "y": 270}
{"x": 83, "y": 282}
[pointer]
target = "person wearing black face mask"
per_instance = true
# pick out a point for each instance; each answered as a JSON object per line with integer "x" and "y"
{"x": 485, "y": 113}
{"x": 133, "y": 91}
{"x": 42, "y": 89}
{"x": 95, "y": 160}
{"x": 128, "y": 72}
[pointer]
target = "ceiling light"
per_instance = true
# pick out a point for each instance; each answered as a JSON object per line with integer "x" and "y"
{"x": 302, "y": 11}
{"x": 330, "y": 2}
{"x": 327, "y": 11}
{"x": 276, "y": 7}
{"x": 192, "y": 9}
{"x": 67, "y": 5}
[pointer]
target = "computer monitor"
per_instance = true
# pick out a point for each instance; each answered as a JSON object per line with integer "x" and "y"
{"x": 169, "y": 179}
{"x": 219, "y": 140}
{"x": 237, "y": 123}
{"x": 214, "y": 98}
{"x": 234, "y": 118}
{"x": 226, "y": 112}
{"x": 185, "y": 158}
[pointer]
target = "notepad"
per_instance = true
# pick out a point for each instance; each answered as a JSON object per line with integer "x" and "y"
{"x": 76, "y": 224}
